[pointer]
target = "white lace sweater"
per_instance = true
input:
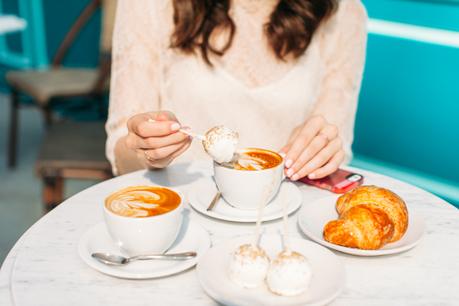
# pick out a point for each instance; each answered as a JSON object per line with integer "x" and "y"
{"x": 248, "y": 89}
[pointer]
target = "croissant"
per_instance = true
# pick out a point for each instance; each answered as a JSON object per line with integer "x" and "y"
{"x": 369, "y": 218}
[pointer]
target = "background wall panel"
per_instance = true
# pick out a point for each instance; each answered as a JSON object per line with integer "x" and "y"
{"x": 408, "y": 118}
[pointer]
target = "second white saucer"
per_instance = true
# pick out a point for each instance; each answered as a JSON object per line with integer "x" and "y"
{"x": 204, "y": 190}
{"x": 192, "y": 237}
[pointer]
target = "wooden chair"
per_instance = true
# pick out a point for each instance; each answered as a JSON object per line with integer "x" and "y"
{"x": 74, "y": 150}
{"x": 59, "y": 83}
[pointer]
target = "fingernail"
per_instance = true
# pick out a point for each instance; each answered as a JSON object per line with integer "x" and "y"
{"x": 151, "y": 120}
{"x": 175, "y": 127}
{"x": 312, "y": 176}
{"x": 282, "y": 154}
{"x": 289, "y": 172}
{"x": 288, "y": 163}
{"x": 295, "y": 177}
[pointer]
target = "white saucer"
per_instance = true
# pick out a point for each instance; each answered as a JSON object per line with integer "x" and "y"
{"x": 204, "y": 190}
{"x": 314, "y": 215}
{"x": 327, "y": 274}
{"x": 192, "y": 237}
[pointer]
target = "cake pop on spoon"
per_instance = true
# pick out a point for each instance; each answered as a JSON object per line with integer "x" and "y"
{"x": 220, "y": 143}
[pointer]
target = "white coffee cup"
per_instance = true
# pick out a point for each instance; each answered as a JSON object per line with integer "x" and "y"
{"x": 247, "y": 189}
{"x": 145, "y": 235}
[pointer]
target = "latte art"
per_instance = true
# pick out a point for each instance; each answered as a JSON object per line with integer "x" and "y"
{"x": 256, "y": 159}
{"x": 246, "y": 162}
{"x": 142, "y": 201}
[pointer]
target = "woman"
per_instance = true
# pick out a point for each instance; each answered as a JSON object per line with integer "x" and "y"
{"x": 285, "y": 74}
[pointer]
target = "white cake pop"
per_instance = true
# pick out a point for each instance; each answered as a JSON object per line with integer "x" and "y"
{"x": 248, "y": 266}
{"x": 220, "y": 143}
{"x": 289, "y": 274}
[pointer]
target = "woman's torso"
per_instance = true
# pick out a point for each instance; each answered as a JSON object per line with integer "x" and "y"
{"x": 263, "y": 112}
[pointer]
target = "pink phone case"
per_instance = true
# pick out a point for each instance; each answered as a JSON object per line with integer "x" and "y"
{"x": 341, "y": 181}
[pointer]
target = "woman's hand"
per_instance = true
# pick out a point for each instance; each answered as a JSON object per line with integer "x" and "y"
{"x": 314, "y": 150}
{"x": 155, "y": 138}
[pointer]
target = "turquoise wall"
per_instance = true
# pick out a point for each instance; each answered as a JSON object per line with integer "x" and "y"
{"x": 441, "y": 14}
{"x": 408, "y": 118}
{"x": 59, "y": 16}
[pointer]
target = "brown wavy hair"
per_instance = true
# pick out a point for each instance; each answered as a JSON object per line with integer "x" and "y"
{"x": 289, "y": 31}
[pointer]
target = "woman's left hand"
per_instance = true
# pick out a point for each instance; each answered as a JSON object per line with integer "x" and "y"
{"x": 314, "y": 150}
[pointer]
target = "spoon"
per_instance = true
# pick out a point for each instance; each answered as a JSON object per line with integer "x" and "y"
{"x": 193, "y": 135}
{"x": 118, "y": 260}
{"x": 219, "y": 142}
{"x": 214, "y": 201}
{"x": 187, "y": 132}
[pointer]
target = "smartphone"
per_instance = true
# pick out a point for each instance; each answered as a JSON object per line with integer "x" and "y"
{"x": 341, "y": 181}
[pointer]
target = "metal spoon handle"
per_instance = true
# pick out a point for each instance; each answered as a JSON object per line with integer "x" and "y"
{"x": 172, "y": 256}
{"x": 214, "y": 201}
{"x": 185, "y": 131}
{"x": 194, "y": 135}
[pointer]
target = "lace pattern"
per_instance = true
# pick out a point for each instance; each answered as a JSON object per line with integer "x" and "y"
{"x": 248, "y": 89}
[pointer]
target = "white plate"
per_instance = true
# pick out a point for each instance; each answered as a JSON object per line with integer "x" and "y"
{"x": 327, "y": 274}
{"x": 204, "y": 190}
{"x": 192, "y": 237}
{"x": 314, "y": 215}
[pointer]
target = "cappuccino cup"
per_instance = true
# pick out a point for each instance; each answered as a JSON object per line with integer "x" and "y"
{"x": 255, "y": 177}
{"x": 144, "y": 219}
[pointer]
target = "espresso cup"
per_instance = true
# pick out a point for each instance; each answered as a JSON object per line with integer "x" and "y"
{"x": 247, "y": 189}
{"x": 140, "y": 235}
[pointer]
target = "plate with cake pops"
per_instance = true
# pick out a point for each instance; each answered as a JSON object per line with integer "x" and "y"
{"x": 237, "y": 273}
{"x": 271, "y": 269}
{"x": 241, "y": 176}
{"x": 366, "y": 221}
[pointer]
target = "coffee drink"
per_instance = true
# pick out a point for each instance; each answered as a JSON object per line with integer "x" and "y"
{"x": 142, "y": 201}
{"x": 253, "y": 178}
{"x": 252, "y": 159}
{"x": 144, "y": 219}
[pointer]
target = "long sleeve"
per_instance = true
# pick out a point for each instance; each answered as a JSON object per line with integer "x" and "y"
{"x": 343, "y": 41}
{"x": 135, "y": 77}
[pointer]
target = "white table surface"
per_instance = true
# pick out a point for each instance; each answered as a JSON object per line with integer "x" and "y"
{"x": 44, "y": 268}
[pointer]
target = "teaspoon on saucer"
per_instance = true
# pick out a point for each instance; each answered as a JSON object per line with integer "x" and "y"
{"x": 118, "y": 260}
{"x": 214, "y": 201}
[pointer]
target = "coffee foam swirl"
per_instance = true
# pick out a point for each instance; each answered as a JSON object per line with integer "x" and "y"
{"x": 142, "y": 201}
{"x": 246, "y": 162}
{"x": 257, "y": 159}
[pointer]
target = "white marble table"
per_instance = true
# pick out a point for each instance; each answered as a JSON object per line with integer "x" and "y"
{"x": 44, "y": 268}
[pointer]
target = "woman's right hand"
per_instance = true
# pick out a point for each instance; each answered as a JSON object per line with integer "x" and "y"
{"x": 155, "y": 138}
